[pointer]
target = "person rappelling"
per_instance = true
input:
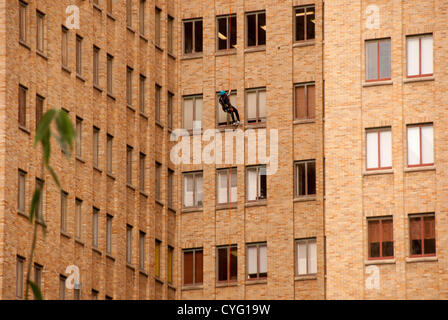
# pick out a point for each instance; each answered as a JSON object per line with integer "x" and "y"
{"x": 228, "y": 108}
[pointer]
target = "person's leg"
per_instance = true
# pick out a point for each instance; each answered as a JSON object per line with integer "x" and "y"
{"x": 235, "y": 110}
{"x": 231, "y": 113}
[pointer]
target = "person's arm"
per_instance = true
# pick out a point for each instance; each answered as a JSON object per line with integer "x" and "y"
{"x": 228, "y": 93}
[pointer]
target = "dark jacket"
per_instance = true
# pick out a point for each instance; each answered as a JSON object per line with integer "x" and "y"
{"x": 225, "y": 102}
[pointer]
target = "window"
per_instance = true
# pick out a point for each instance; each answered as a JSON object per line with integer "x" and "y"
{"x": 305, "y": 178}
{"x": 379, "y": 149}
{"x": 96, "y": 146}
{"x": 223, "y": 118}
{"x": 129, "y": 13}
{"x": 20, "y": 268}
{"x": 109, "y": 153}
{"x": 142, "y": 17}
{"x": 37, "y": 271}
{"x": 157, "y": 26}
{"x": 306, "y": 257}
{"x": 78, "y": 55}
{"x": 256, "y": 105}
{"x": 21, "y": 195}
{"x": 170, "y": 188}
{"x": 96, "y": 65}
{"x": 62, "y": 280}
{"x": 170, "y": 34}
{"x": 64, "y": 47}
{"x": 94, "y": 294}
{"x": 193, "y": 267}
{"x": 78, "y": 220}
{"x": 420, "y": 145}
{"x": 226, "y": 37}
{"x": 192, "y": 190}
{"x": 128, "y": 244}
{"x": 22, "y": 105}
{"x": 39, "y": 108}
{"x": 142, "y": 97}
{"x": 110, "y": 60}
{"x": 170, "y": 109}
{"x": 109, "y": 6}
{"x": 78, "y": 137}
{"x": 158, "y": 90}
{"x": 420, "y": 55}
{"x": 95, "y": 216}
{"x": 305, "y": 101}
{"x": 305, "y": 22}
{"x": 256, "y": 29}
{"x": 129, "y": 150}
{"x": 192, "y": 36}
{"x": 40, "y": 32}
{"x": 256, "y": 183}
{"x": 129, "y": 86}
{"x": 257, "y": 261}
{"x": 422, "y": 229}
{"x": 192, "y": 114}
{"x": 142, "y": 250}
{"x": 170, "y": 264}
{"x": 378, "y": 60}
{"x": 109, "y": 234}
{"x": 23, "y": 21}
{"x": 158, "y": 181}
{"x": 157, "y": 258}
{"x": 227, "y": 186}
{"x": 381, "y": 241}
{"x": 40, "y": 205}
{"x": 142, "y": 170}
{"x": 64, "y": 196}
{"x": 227, "y": 263}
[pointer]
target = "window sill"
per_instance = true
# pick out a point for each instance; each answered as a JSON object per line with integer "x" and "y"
{"x": 144, "y": 115}
{"x": 419, "y": 79}
{"x": 144, "y": 194}
{"x": 172, "y": 210}
{"x": 224, "y": 284}
{"x": 130, "y": 107}
{"x": 377, "y": 172}
{"x": 64, "y": 68}
{"x": 303, "y": 121}
{"x": 143, "y": 272}
{"x": 110, "y": 95}
{"x": 97, "y": 88}
{"x": 110, "y": 16}
{"x": 421, "y": 259}
{"x": 190, "y": 210}
{"x": 142, "y": 36}
{"x": 377, "y": 83}
{"x": 305, "y": 43}
{"x": 42, "y": 55}
{"x": 160, "y": 203}
{"x": 171, "y": 286}
{"x": 255, "y": 49}
{"x": 98, "y": 169}
{"x": 159, "y": 124}
{"x": 78, "y": 241}
{"x": 226, "y": 206}
{"x": 130, "y": 186}
{"x": 129, "y": 28}
{"x": 306, "y": 277}
{"x": 109, "y": 256}
{"x": 97, "y": 251}
{"x": 158, "y": 280}
{"x": 254, "y": 282}
{"x": 80, "y": 77}
{"x": 24, "y": 44}
{"x": 65, "y": 234}
{"x": 257, "y": 125}
{"x": 171, "y": 55}
{"x": 158, "y": 47}
{"x": 190, "y": 288}
{"x": 95, "y": 6}
{"x": 305, "y": 198}
{"x": 379, "y": 261}
{"x": 191, "y": 56}
{"x": 23, "y": 214}
{"x": 80, "y": 159}
{"x": 24, "y": 129}
{"x": 110, "y": 175}
{"x": 130, "y": 266}
{"x": 422, "y": 168}
{"x": 225, "y": 52}
{"x": 256, "y": 203}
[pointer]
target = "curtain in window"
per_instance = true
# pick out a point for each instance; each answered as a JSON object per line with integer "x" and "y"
{"x": 222, "y": 186}
{"x": 188, "y": 191}
{"x": 188, "y": 114}
{"x": 427, "y": 144}
{"x": 263, "y": 260}
{"x": 372, "y": 150}
{"x": 371, "y": 60}
{"x": 386, "y": 148}
{"x": 301, "y": 258}
{"x": 262, "y": 104}
{"x": 427, "y": 55}
{"x": 198, "y": 259}
{"x": 300, "y": 103}
{"x": 374, "y": 231}
{"x": 198, "y": 112}
{"x": 198, "y": 180}
{"x": 385, "y": 59}
{"x": 413, "y": 53}
{"x": 387, "y": 230}
{"x": 413, "y": 145}
{"x": 429, "y": 230}
{"x": 251, "y": 106}
{"x": 312, "y": 257}
{"x": 252, "y": 261}
{"x": 414, "y": 227}
{"x": 311, "y": 101}
{"x": 252, "y": 184}
{"x": 234, "y": 187}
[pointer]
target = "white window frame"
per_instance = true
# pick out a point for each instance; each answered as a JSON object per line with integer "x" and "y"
{"x": 307, "y": 242}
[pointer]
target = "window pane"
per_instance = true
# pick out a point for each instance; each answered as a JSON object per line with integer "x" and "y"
{"x": 188, "y": 191}
{"x": 388, "y": 242}
{"x": 188, "y": 114}
{"x": 371, "y": 60}
{"x": 413, "y": 56}
{"x": 311, "y": 177}
{"x": 310, "y": 23}
{"x": 385, "y": 59}
{"x": 311, "y": 101}
{"x": 188, "y": 268}
{"x": 222, "y": 33}
{"x": 188, "y": 37}
{"x": 415, "y": 235}
{"x": 251, "y": 30}
{"x": 261, "y": 104}
{"x": 233, "y": 263}
{"x": 251, "y": 106}
{"x": 198, "y": 112}
{"x": 413, "y": 145}
{"x": 252, "y": 262}
{"x": 234, "y": 186}
{"x": 198, "y": 181}
{"x": 222, "y": 186}
{"x": 374, "y": 238}
{"x": 429, "y": 234}
{"x": 263, "y": 261}
{"x": 386, "y": 149}
{"x": 427, "y": 144}
{"x": 301, "y": 179}
{"x": 301, "y": 258}
{"x": 300, "y": 24}
{"x": 198, "y": 36}
{"x": 222, "y": 264}
{"x": 198, "y": 272}
{"x": 300, "y": 101}
{"x": 262, "y": 175}
{"x": 312, "y": 257}
{"x": 261, "y": 29}
{"x": 427, "y": 55}
{"x": 233, "y": 31}
{"x": 252, "y": 184}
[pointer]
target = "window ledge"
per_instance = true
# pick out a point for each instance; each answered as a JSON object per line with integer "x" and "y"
{"x": 306, "y": 277}
{"x": 379, "y": 261}
{"x": 423, "y": 168}
{"x": 97, "y": 251}
{"x": 144, "y": 115}
{"x": 143, "y": 272}
{"x": 78, "y": 158}
{"x": 23, "y": 214}
{"x": 144, "y": 194}
{"x": 130, "y": 186}
{"x": 110, "y": 16}
{"x": 80, "y": 77}
{"x": 78, "y": 241}
{"x": 172, "y": 210}
{"x": 24, "y": 129}
{"x": 189, "y": 210}
{"x": 224, "y": 284}
{"x": 419, "y": 79}
{"x": 110, "y": 175}
{"x": 305, "y": 43}
{"x": 377, "y": 172}
{"x": 160, "y": 203}
{"x": 41, "y": 54}
{"x": 189, "y": 288}
{"x": 66, "y": 69}
{"x": 142, "y": 36}
{"x": 171, "y": 55}
{"x": 158, "y": 280}
{"x": 158, "y": 47}
{"x": 97, "y": 7}
{"x": 421, "y": 259}
{"x": 256, "y": 203}
{"x": 98, "y": 169}
{"x": 254, "y": 282}
{"x": 171, "y": 286}
{"x": 65, "y": 234}
{"x": 130, "y": 266}
{"x": 255, "y": 49}
{"x": 377, "y": 83}
{"x": 110, "y": 95}
{"x": 259, "y": 125}
{"x": 302, "y": 121}
{"x": 305, "y": 198}
{"x": 225, "y": 52}
{"x": 191, "y": 56}
{"x": 24, "y": 44}
{"x": 159, "y": 124}
{"x": 129, "y": 28}
{"x": 226, "y": 206}
{"x": 130, "y": 107}
{"x": 98, "y": 88}
{"x": 109, "y": 256}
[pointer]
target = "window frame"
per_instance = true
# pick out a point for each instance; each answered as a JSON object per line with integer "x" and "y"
{"x": 157, "y": 256}
{"x": 158, "y": 102}
{"x": 258, "y": 120}
{"x": 129, "y": 230}
{"x": 95, "y": 227}
{"x": 170, "y": 188}
{"x": 233, "y": 93}
{"x": 194, "y": 174}
{"x": 229, "y": 29}
{"x": 256, "y": 14}
{"x": 110, "y": 61}
{"x": 379, "y": 130}
{"x": 422, "y": 216}
{"x": 129, "y": 89}
{"x": 96, "y": 147}
{"x": 258, "y": 167}
{"x": 40, "y": 31}
{"x": 193, "y": 36}
{"x": 170, "y": 34}
{"x": 40, "y": 101}
{"x": 170, "y": 110}
{"x": 158, "y": 26}
{"x": 78, "y": 142}
{"x": 79, "y": 64}
{"x": 142, "y": 172}
{"x": 22, "y": 112}
{"x": 64, "y": 211}
{"x": 378, "y": 41}
{"x": 78, "y": 219}
{"x": 305, "y": 29}
{"x": 421, "y": 164}
{"x": 142, "y": 17}
{"x": 142, "y": 256}
{"x": 141, "y": 94}
{"x": 305, "y": 85}
{"x": 96, "y": 66}
{"x": 20, "y": 276}
{"x": 195, "y": 283}
{"x": 194, "y": 98}
{"x": 21, "y": 193}
{"x": 229, "y": 264}
{"x": 297, "y": 182}
{"x": 380, "y": 237}
{"x": 64, "y": 47}
{"x": 419, "y": 36}
{"x": 109, "y": 153}
{"x": 170, "y": 265}
{"x": 40, "y": 206}
{"x": 128, "y": 13}
{"x": 129, "y": 160}
{"x": 256, "y": 245}
{"x": 109, "y": 233}
{"x": 228, "y": 172}
{"x": 158, "y": 182}
{"x": 296, "y": 256}
{"x": 23, "y": 21}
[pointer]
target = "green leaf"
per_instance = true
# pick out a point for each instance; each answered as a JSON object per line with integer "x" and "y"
{"x": 55, "y": 177}
{"x": 65, "y": 130}
{"x": 34, "y": 203}
{"x": 44, "y": 125}
{"x": 46, "y": 147}
{"x": 36, "y": 290}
